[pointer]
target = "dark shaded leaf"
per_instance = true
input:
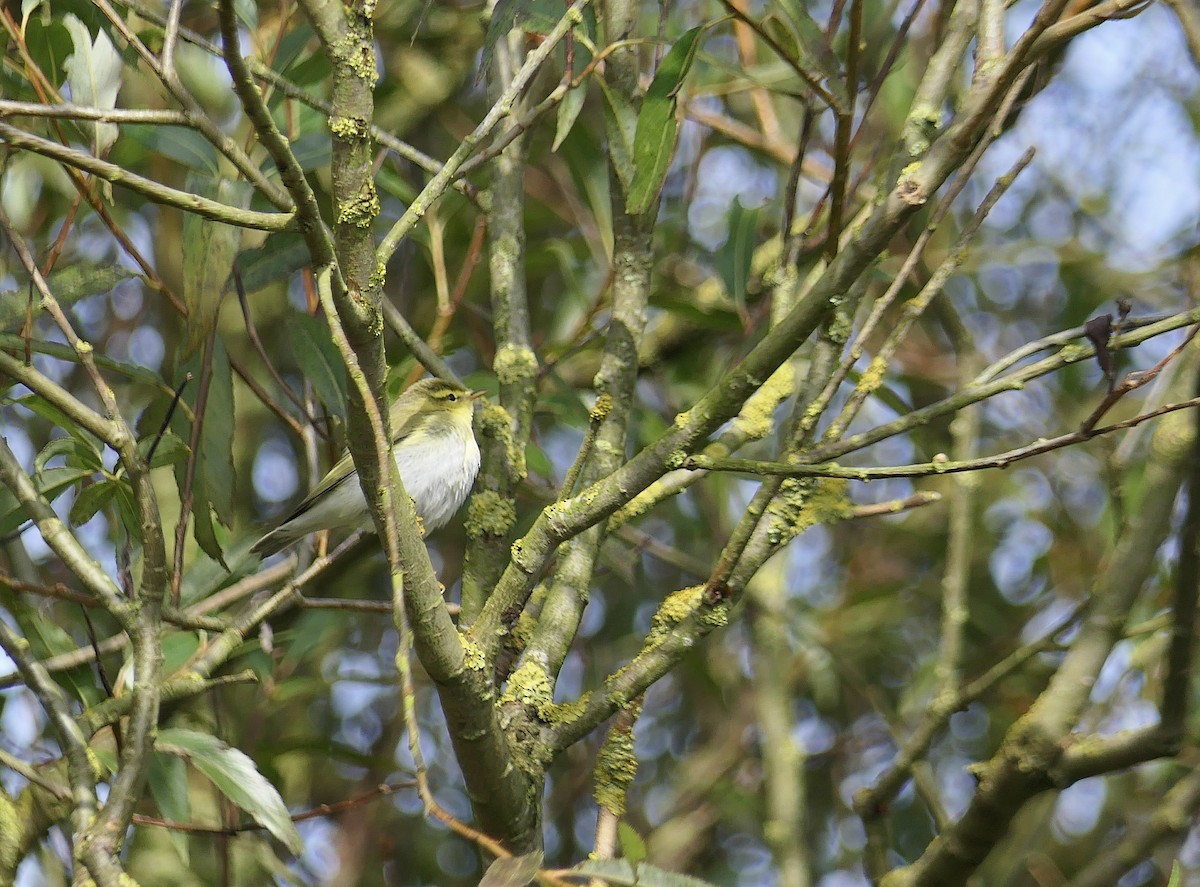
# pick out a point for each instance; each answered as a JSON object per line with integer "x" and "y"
{"x": 78, "y": 452}
{"x": 47, "y": 639}
{"x": 734, "y": 258}
{"x": 91, "y": 499}
{"x": 1098, "y": 331}
{"x": 280, "y": 256}
{"x": 216, "y": 439}
{"x": 503, "y": 20}
{"x": 168, "y": 785}
{"x": 69, "y": 284}
{"x": 209, "y": 252}
{"x": 538, "y": 16}
{"x": 622, "y": 125}
{"x": 568, "y": 113}
{"x": 171, "y": 450}
{"x": 38, "y": 405}
{"x": 213, "y": 485}
{"x": 51, "y": 483}
{"x": 50, "y": 46}
{"x": 796, "y": 30}
{"x": 185, "y": 146}
{"x": 313, "y": 151}
{"x": 657, "y": 125}
{"x": 319, "y": 360}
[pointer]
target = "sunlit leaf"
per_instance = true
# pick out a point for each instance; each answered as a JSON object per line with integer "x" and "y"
{"x": 513, "y": 871}
{"x": 236, "y": 777}
{"x": 94, "y": 75}
{"x": 27, "y": 8}
{"x": 621, "y": 873}
{"x": 633, "y": 847}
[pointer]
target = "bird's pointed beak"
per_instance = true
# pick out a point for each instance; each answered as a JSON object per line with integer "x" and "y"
{"x": 475, "y": 395}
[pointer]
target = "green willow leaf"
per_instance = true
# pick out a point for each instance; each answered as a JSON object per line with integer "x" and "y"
{"x": 657, "y": 125}
{"x": 622, "y": 873}
{"x": 91, "y": 499}
{"x": 513, "y": 871}
{"x": 69, "y": 284}
{"x": 168, "y": 784}
{"x": 236, "y": 777}
{"x": 209, "y": 251}
{"x": 94, "y": 75}
{"x": 319, "y": 360}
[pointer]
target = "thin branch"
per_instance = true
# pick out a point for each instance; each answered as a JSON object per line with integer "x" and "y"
{"x": 925, "y": 469}
{"x": 148, "y": 188}
{"x": 500, "y": 109}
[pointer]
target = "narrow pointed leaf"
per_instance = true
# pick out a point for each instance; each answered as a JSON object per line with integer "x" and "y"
{"x": 94, "y": 75}
{"x": 169, "y": 788}
{"x": 236, "y": 777}
{"x": 621, "y": 873}
{"x": 319, "y": 360}
{"x": 209, "y": 251}
{"x": 514, "y": 871}
{"x": 657, "y": 125}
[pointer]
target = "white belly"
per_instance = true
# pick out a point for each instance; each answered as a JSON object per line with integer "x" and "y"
{"x": 438, "y": 489}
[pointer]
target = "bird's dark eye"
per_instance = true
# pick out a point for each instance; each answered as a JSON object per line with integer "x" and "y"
{"x": 452, "y": 397}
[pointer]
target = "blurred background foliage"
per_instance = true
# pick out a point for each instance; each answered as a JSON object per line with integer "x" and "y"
{"x": 1108, "y": 209}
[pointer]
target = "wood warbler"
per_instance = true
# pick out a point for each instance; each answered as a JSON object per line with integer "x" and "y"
{"x": 435, "y": 450}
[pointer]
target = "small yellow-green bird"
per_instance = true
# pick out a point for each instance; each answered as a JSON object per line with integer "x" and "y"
{"x": 435, "y": 450}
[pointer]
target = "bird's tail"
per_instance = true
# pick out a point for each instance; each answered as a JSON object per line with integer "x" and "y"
{"x": 276, "y": 540}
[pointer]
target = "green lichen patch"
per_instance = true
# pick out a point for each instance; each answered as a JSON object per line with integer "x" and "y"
{"x": 514, "y": 363}
{"x": 530, "y": 687}
{"x": 362, "y": 210}
{"x": 603, "y": 406}
{"x": 757, "y": 418}
{"x": 675, "y": 608}
{"x": 495, "y": 422}
{"x": 490, "y": 515}
{"x": 616, "y": 768}
{"x": 350, "y": 128}
{"x": 805, "y": 502}
{"x": 473, "y": 656}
